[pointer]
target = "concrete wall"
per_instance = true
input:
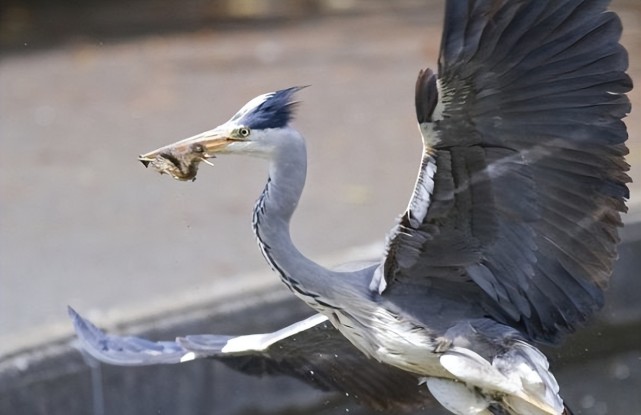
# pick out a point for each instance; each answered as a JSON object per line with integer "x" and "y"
{"x": 599, "y": 369}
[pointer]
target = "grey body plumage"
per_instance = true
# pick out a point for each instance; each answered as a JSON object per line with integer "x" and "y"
{"x": 508, "y": 239}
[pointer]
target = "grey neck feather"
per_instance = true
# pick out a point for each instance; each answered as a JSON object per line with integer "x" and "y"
{"x": 272, "y": 214}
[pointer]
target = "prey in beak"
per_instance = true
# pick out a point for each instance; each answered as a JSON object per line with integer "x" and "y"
{"x": 181, "y": 159}
{"x": 253, "y": 130}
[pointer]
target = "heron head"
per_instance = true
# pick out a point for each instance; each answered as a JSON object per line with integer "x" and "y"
{"x": 250, "y": 131}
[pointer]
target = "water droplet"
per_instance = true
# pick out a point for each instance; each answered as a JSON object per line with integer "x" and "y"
{"x": 21, "y": 363}
{"x": 587, "y": 401}
{"x": 620, "y": 371}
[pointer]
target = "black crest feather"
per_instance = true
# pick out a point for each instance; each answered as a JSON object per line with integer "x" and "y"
{"x": 276, "y": 111}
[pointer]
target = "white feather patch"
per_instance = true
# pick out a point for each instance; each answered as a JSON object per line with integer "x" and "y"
{"x": 378, "y": 282}
{"x": 420, "y": 201}
{"x": 188, "y": 357}
{"x": 521, "y": 375}
{"x": 526, "y": 365}
{"x": 255, "y": 102}
{"x": 471, "y": 368}
{"x": 260, "y": 342}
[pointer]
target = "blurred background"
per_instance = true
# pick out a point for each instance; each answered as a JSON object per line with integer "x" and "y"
{"x": 87, "y": 86}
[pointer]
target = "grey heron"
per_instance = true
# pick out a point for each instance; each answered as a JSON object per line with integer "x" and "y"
{"x": 507, "y": 242}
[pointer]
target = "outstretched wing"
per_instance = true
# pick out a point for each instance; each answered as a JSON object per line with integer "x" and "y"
{"x": 125, "y": 350}
{"x": 524, "y": 175}
{"x": 311, "y": 350}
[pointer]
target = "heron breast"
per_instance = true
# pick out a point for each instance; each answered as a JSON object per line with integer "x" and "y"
{"x": 383, "y": 337}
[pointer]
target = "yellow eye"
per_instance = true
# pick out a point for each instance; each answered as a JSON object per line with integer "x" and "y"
{"x": 243, "y": 132}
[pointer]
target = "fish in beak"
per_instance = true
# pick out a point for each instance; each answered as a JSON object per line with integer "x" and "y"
{"x": 181, "y": 159}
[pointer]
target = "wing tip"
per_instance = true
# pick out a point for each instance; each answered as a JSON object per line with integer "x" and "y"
{"x": 73, "y": 314}
{"x": 81, "y": 325}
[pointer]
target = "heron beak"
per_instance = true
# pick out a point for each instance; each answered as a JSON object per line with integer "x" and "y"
{"x": 211, "y": 142}
{"x": 181, "y": 159}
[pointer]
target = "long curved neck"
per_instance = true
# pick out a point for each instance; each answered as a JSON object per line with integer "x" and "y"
{"x": 272, "y": 215}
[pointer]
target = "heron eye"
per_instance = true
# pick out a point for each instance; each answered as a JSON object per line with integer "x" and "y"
{"x": 243, "y": 131}
{"x": 198, "y": 148}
